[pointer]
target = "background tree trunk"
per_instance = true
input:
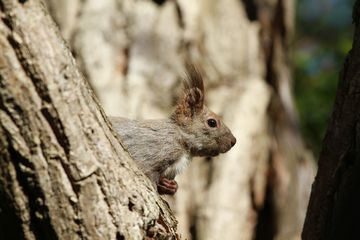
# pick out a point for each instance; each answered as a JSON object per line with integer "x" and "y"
{"x": 133, "y": 53}
{"x": 334, "y": 210}
{"x": 63, "y": 174}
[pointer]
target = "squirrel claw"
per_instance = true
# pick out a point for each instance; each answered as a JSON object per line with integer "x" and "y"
{"x": 167, "y": 186}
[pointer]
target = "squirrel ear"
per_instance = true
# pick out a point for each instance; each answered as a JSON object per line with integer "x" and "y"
{"x": 193, "y": 99}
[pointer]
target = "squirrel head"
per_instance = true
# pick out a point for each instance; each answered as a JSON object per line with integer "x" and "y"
{"x": 206, "y": 134}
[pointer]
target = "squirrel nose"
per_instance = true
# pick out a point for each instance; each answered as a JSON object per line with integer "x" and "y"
{"x": 233, "y": 141}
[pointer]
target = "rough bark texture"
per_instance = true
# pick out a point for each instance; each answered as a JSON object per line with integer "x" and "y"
{"x": 334, "y": 209}
{"x": 134, "y": 52}
{"x": 63, "y": 174}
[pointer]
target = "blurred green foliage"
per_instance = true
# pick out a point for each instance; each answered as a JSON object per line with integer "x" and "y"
{"x": 323, "y": 38}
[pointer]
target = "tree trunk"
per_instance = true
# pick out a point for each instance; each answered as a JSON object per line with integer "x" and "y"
{"x": 134, "y": 52}
{"x": 63, "y": 174}
{"x": 334, "y": 211}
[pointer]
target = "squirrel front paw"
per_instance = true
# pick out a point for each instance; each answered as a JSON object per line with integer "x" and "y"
{"x": 167, "y": 186}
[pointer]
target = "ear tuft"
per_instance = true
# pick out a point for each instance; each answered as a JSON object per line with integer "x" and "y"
{"x": 194, "y": 78}
{"x": 194, "y": 87}
{"x": 193, "y": 99}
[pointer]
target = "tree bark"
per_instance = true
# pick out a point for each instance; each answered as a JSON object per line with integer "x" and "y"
{"x": 63, "y": 174}
{"x": 134, "y": 52}
{"x": 334, "y": 211}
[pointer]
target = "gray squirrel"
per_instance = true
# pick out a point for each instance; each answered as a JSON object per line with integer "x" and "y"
{"x": 163, "y": 148}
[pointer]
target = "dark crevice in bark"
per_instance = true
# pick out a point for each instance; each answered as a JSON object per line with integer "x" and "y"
{"x": 6, "y": 20}
{"x": 159, "y": 2}
{"x": 57, "y": 128}
{"x": 251, "y": 9}
{"x": 266, "y": 214}
{"x": 272, "y": 30}
{"x": 10, "y": 221}
{"x": 131, "y": 205}
{"x": 179, "y": 14}
{"x": 40, "y": 223}
{"x": 193, "y": 231}
{"x": 279, "y": 22}
{"x": 252, "y": 194}
{"x": 125, "y": 68}
{"x": 193, "y": 228}
{"x": 265, "y": 227}
{"x": 119, "y": 236}
{"x": 210, "y": 173}
{"x": 268, "y": 46}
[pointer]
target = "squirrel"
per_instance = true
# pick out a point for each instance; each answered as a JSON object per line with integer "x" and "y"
{"x": 163, "y": 148}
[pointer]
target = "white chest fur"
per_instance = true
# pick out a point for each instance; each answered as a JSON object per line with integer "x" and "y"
{"x": 178, "y": 167}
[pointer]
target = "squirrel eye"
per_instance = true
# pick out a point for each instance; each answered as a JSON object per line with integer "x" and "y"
{"x": 212, "y": 123}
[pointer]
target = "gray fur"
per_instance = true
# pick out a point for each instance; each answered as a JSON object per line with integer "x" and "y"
{"x": 153, "y": 144}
